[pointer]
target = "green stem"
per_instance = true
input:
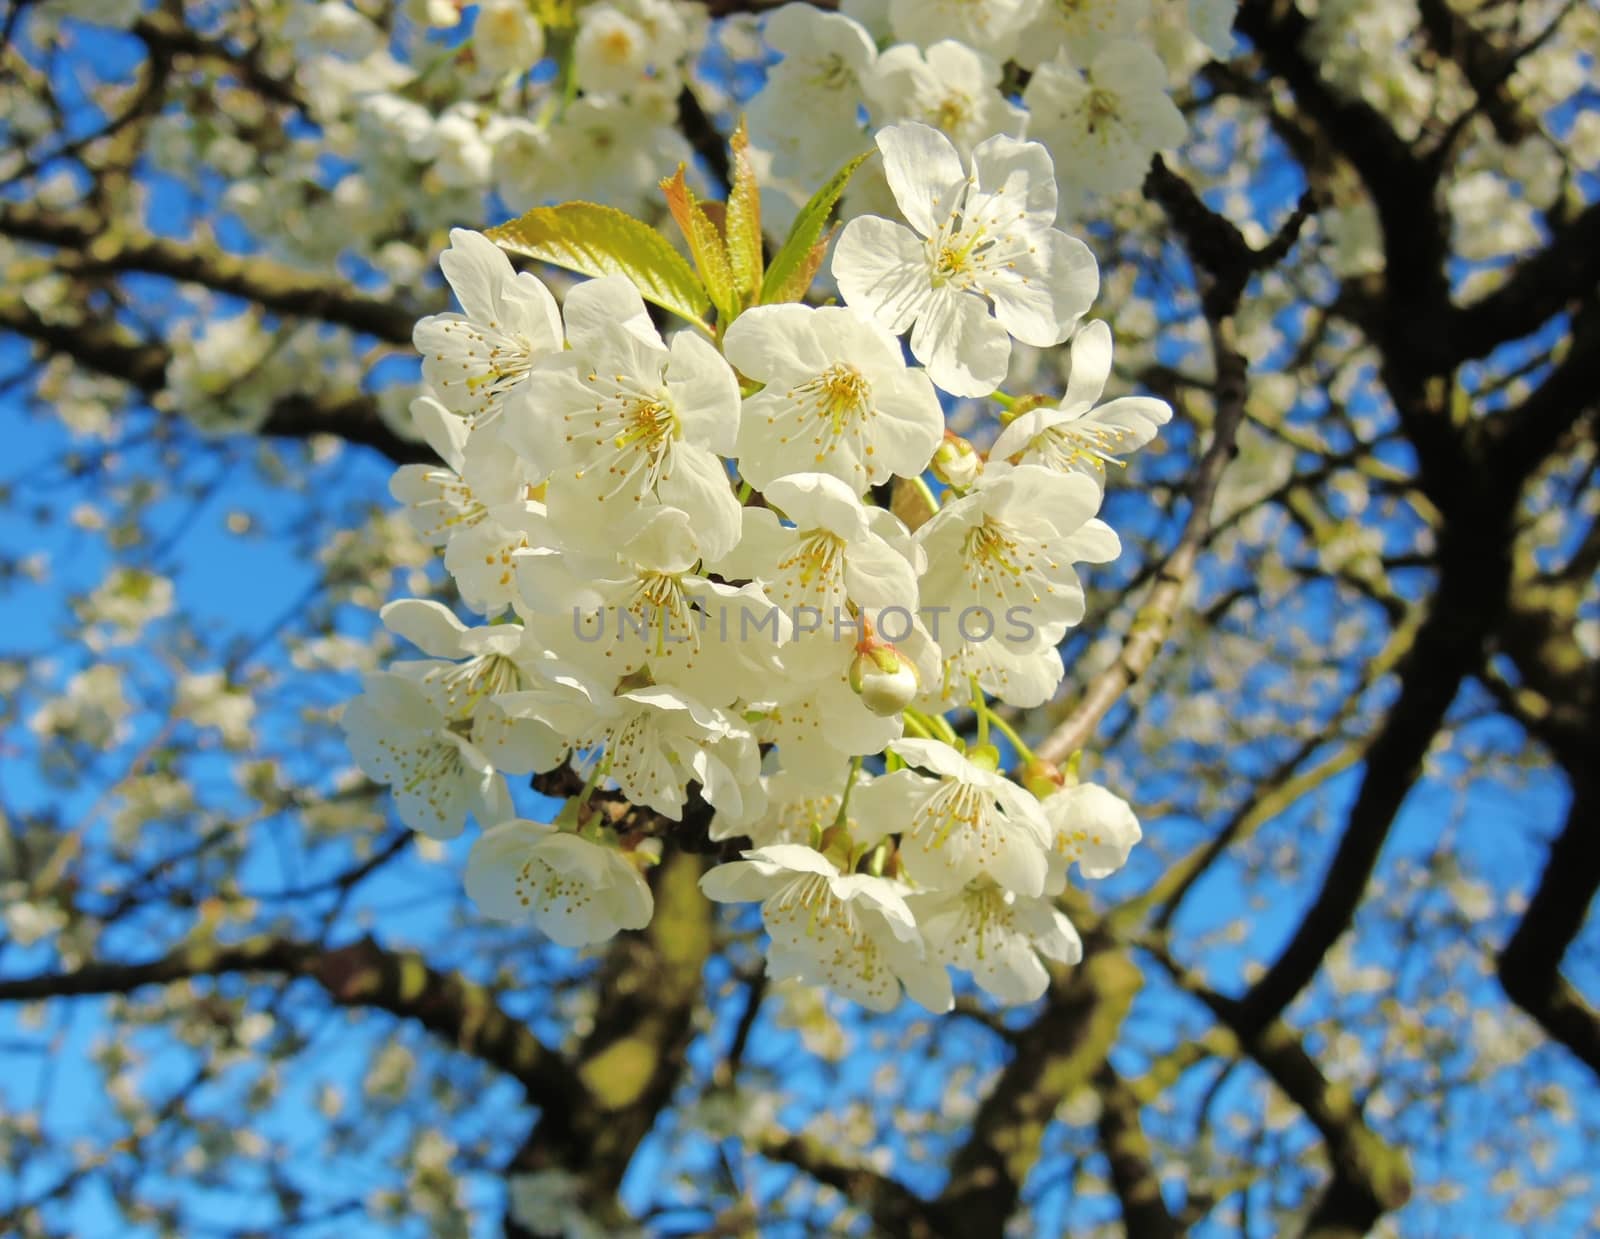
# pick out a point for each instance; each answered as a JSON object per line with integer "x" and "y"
{"x": 849, "y": 786}
{"x": 1010, "y": 733}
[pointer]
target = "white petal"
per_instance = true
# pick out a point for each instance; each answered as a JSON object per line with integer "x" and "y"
{"x": 496, "y": 861}
{"x": 965, "y": 351}
{"x": 699, "y": 485}
{"x": 1091, "y": 365}
{"x": 428, "y": 625}
{"x": 924, "y": 173}
{"x": 705, "y": 393}
{"x": 882, "y": 270}
{"x": 775, "y": 344}
{"x": 1021, "y": 173}
{"x": 1040, "y": 302}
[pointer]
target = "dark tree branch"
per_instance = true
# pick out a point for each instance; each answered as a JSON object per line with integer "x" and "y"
{"x": 1538, "y": 289}
{"x": 365, "y": 975}
{"x": 1529, "y": 966}
{"x": 95, "y": 248}
{"x": 1133, "y": 1175}
{"x": 111, "y": 350}
{"x": 897, "y": 1212}
{"x": 1056, "y": 1054}
{"x": 1369, "y": 1177}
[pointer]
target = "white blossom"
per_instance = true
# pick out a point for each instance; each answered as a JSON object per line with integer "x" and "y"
{"x": 622, "y": 420}
{"x": 1079, "y": 434}
{"x": 1103, "y": 126}
{"x": 949, "y": 87}
{"x": 475, "y": 360}
{"x": 975, "y": 238}
{"x": 964, "y": 822}
{"x": 575, "y": 889}
{"x": 400, "y": 737}
{"x": 851, "y": 932}
{"x": 1092, "y": 827}
{"x": 997, "y": 936}
{"x": 507, "y": 37}
{"x": 838, "y": 398}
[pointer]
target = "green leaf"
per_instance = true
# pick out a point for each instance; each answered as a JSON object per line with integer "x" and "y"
{"x": 783, "y": 276}
{"x": 600, "y": 240}
{"x": 705, "y": 243}
{"x": 799, "y": 282}
{"x": 743, "y": 226}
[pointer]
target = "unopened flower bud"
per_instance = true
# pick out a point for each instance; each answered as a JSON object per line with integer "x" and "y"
{"x": 883, "y": 678}
{"x": 1042, "y": 778}
{"x": 956, "y": 463}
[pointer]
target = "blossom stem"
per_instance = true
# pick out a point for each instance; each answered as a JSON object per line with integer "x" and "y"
{"x": 980, "y": 707}
{"x": 849, "y": 786}
{"x": 934, "y": 727}
{"x": 1024, "y": 753}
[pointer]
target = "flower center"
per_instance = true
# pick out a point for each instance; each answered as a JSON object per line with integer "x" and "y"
{"x": 1101, "y": 107}
{"x": 1092, "y": 446}
{"x": 832, "y": 73}
{"x": 817, "y": 565}
{"x": 467, "y": 683}
{"x": 989, "y": 545}
{"x": 617, "y": 46}
{"x": 952, "y": 112}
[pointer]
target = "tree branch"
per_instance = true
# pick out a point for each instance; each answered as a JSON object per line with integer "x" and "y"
{"x": 1529, "y": 966}
{"x": 96, "y": 247}
{"x": 1133, "y": 1175}
{"x": 1369, "y": 1177}
{"x": 363, "y": 974}
{"x": 896, "y": 1210}
{"x": 1055, "y": 1055}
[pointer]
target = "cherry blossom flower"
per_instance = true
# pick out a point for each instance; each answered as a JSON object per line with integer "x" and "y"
{"x": 991, "y": 26}
{"x": 1094, "y": 828}
{"x": 576, "y": 890}
{"x": 997, "y": 936}
{"x": 1079, "y": 434}
{"x": 647, "y": 607}
{"x": 838, "y": 399}
{"x": 1102, "y": 127}
{"x": 399, "y": 736}
{"x": 825, "y": 58}
{"x": 965, "y": 822}
{"x": 1008, "y": 547}
{"x": 1077, "y": 28}
{"x": 975, "y": 238}
{"x": 468, "y": 671}
{"x": 509, "y": 321}
{"x": 850, "y": 932}
{"x": 622, "y": 420}
{"x": 507, "y": 37}
{"x": 950, "y": 87}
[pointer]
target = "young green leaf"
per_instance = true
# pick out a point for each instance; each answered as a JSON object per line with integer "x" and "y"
{"x": 797, "y": 253}
{"x": 744, "y": 219}
{"x": 600, "y": 240}
{"x": 706, "y": 244}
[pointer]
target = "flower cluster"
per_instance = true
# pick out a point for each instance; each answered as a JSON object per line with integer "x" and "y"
{"x": 1097, "y": 77}
{"x": 695, "y": 589}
